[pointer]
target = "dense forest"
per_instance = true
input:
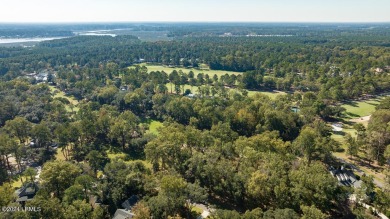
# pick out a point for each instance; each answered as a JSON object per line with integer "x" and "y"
{"x": 86, "y": 122}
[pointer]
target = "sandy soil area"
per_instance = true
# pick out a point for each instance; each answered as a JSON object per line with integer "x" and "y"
{"x": 364, "y": 120}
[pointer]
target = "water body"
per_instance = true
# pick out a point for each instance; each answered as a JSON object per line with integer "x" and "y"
{"x": 26, "y": 40}
{"x": 111, "y": 32}
{"x": 16, "y": 41}
{"x": 96, "y": 34}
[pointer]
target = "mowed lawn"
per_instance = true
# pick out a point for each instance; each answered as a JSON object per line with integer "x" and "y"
{"x": 356, "y": 109}
{"x": 205, "y": 71}
{"x": 340, "y": 136}
{"x": 270, "y": 94}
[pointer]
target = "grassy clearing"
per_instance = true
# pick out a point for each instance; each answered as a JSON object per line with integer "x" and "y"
{"x": 17, "y": 183}
{"x": 204, "y": 69}
{"x": 356, "y": 109}
{"x": 112, "y": 155}
{"x": 271, "y": 94}
{"x": 60, "y": 94}
{"x": 197, "y": 210}
{"x": 193, "y": 89}
{"x": 126, "y": 158}
{"x": 59, "y": 155}
{"x": 340, "y": 135}
{"x": 154, "y": 125}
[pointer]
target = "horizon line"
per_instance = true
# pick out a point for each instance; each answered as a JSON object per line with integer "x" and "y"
{"x": 253, "y": 22}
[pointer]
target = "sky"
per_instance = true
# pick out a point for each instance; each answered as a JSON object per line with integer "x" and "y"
{"x": 194, "y": 11}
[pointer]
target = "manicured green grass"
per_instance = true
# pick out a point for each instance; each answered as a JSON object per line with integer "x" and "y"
{"x": 340, "y": 136}
{"x": 270, "y": 94}
{"x": 355, "y": 109}
{"x": 203, "y": 70}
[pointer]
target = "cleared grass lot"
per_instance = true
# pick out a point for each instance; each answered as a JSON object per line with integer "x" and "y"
{"x": 356, "y": 112}
{"x": 356, "y": 109}
{"x": 270, "y": 94}
{"x": 205, "y": 70}
{"x": 60, "y": 94}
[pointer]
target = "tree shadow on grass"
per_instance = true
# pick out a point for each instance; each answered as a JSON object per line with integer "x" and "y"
{"x": 373, "y": 104}
{"x": 352, "y": 103}
{"x": 351, "y": 115}
{"x": 341, "y": 133}
{"x": 364, "y": 162}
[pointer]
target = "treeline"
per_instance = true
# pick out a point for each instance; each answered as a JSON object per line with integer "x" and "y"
{"x": 286, "y": 64}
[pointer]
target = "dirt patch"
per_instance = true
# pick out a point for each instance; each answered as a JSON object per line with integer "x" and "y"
{"x": 363, "y": 120}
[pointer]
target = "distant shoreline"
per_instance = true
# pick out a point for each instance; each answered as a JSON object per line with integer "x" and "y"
{"x": 26, "y": 40}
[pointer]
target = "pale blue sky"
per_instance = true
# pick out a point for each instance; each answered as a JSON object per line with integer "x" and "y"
{"x": 195, "y": 10}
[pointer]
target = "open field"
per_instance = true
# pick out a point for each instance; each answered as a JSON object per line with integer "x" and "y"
{"x": 356, "y": 112}
{"x": 72, "y": 100}
{"x": 194, "y": 90}
{"x": 356, "y": 109}
{"x": 204, "y": 70}
{"x": 271, "y": 94}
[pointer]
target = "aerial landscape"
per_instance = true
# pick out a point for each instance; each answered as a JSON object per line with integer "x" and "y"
{"x": 218, "y": 110}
